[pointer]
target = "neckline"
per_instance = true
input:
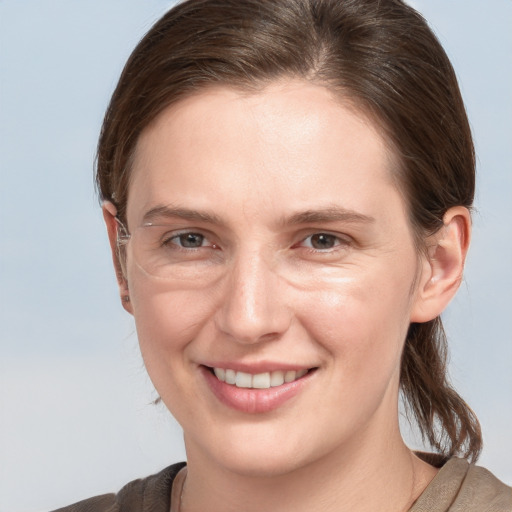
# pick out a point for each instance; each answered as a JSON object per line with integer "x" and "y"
{"x": 440, "y": 492}
{"x": 177, "y": 489}
{"x": 451, "y": 474}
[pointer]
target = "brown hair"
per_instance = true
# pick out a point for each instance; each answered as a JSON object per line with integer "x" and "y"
{"x": 379, "y": 55}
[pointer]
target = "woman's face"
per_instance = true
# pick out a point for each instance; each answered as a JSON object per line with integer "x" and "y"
{"x": 279, "y": 245}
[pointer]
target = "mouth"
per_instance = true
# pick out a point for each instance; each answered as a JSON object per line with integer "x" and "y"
{"x": 260, "y": 392}
{"x": 264, "y": 380}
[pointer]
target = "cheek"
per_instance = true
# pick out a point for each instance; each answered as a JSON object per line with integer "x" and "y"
{"x": 362, "y": 323}
{"x": 363, "y": 338}
{"x": 167, "y": 319}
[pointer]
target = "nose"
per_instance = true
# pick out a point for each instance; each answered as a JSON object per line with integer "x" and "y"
{"x": 253, "y": 308}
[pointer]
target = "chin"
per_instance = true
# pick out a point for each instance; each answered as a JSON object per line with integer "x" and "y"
{"x": 260, "y": 453}
{"x": 260, "y": 464}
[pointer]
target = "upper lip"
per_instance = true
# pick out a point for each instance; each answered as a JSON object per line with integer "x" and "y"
{"x": 257, "y": 367}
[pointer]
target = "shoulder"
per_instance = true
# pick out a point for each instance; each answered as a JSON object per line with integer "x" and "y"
{"x": 482, "y": 487}
{"x": 463, "y": 487}
{"x": 144, "y": 494}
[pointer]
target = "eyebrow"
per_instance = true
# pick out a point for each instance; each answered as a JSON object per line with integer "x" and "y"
{"x": 321, "y": 215}
{"x": 170, "y": 212}
{"x": 328, "y": 214}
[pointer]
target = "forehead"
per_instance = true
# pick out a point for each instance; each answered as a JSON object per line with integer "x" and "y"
{"x": 292, "y": 140}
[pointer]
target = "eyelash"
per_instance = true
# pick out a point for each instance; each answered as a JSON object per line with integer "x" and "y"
{"x": 174, "y": 237}
{"x": 338, "y": 242}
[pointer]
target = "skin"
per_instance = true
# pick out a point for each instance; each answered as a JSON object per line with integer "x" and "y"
{"x": 260, "y": 290}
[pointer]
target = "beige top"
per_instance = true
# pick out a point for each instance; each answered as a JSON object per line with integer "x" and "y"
{"x": 457, "y": 487}
{"x": 463, "y": 487}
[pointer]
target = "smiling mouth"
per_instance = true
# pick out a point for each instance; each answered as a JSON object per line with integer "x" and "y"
{"x": 264, "y": 380}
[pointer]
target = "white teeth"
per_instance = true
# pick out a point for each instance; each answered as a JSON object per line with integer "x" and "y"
{"x": 220, "y": 373}
{"x": 230, "y": 376}
{"x": 243, "y": 380}
{"x": 290, "y": 376}
{"x": 277, "y": 378}
{"x": 260, "y": 380}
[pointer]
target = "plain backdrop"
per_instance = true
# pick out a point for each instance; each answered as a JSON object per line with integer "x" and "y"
{"x": 75, "y": 402}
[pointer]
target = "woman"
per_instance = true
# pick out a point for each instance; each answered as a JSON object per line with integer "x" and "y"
{"x": 286, "y": 189}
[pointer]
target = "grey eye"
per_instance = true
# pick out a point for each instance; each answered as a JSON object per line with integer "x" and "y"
{"x": 323, "y": 241}
{"x": 190, "y": 240}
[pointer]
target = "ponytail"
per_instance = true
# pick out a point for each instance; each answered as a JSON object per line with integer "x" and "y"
{"x": 443, "y": 417}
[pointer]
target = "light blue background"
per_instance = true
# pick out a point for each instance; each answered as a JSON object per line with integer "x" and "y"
{"x": 75, "y": 418}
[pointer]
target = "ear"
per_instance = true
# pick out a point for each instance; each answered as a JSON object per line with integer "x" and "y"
{"x": 109, "y": 214}
{"x": 443, "y": 266}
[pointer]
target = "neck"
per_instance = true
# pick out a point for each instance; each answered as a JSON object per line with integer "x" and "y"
{"x": 370, "y": 476}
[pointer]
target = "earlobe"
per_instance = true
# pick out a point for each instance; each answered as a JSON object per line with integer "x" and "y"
{"x": 109, "y": 215}
{"x": 443, "y": 266}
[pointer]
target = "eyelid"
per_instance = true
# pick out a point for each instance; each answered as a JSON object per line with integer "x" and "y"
{"x": 173, "y": 232}
{"x": 169, "y": 231}
{"x": 174, "y": 236}
{"x": 341, "y": 239}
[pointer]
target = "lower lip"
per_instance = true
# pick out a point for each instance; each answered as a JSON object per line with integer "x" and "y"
{"x": 250, "y": 400}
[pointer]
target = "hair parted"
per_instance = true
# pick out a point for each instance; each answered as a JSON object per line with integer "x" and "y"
{"x": 378, "y": 55}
